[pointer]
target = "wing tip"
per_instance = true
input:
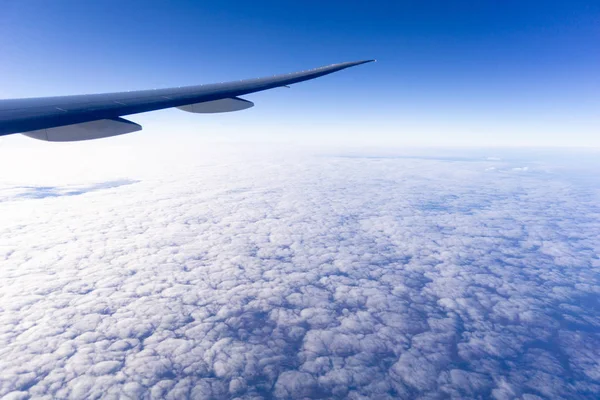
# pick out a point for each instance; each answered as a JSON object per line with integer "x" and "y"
{"x": 355, "y": 63}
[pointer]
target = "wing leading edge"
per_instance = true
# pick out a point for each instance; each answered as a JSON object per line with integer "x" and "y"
{"x": 59, "y": 117}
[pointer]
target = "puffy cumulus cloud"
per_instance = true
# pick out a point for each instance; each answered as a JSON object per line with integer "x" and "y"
{"x": 325, "y": 277}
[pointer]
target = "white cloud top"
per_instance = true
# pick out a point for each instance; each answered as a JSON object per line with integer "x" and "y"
{"x": 326, "y": 277}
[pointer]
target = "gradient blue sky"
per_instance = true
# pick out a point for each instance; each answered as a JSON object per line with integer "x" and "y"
{"x": 449, "y": 72}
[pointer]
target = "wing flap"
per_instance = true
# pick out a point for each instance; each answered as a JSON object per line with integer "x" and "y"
{"x": 218, "y": 106}
{"x": 85, "y": 131}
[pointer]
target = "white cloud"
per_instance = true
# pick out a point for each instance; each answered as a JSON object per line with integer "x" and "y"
{"x": 291, "y": 277}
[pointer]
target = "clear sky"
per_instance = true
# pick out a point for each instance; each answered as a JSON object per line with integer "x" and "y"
{"x": 448, "y": 73}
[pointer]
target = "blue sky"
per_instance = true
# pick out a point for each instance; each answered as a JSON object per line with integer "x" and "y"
{"x": 449, "y": 73}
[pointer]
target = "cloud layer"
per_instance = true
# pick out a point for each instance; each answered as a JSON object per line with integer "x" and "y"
{"x": 325, "y": 277}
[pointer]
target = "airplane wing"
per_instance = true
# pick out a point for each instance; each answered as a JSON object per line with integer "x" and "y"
{"x": 92, "y": 116}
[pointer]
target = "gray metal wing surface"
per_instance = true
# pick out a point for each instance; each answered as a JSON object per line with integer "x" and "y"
{"x": 91, "y": 116}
